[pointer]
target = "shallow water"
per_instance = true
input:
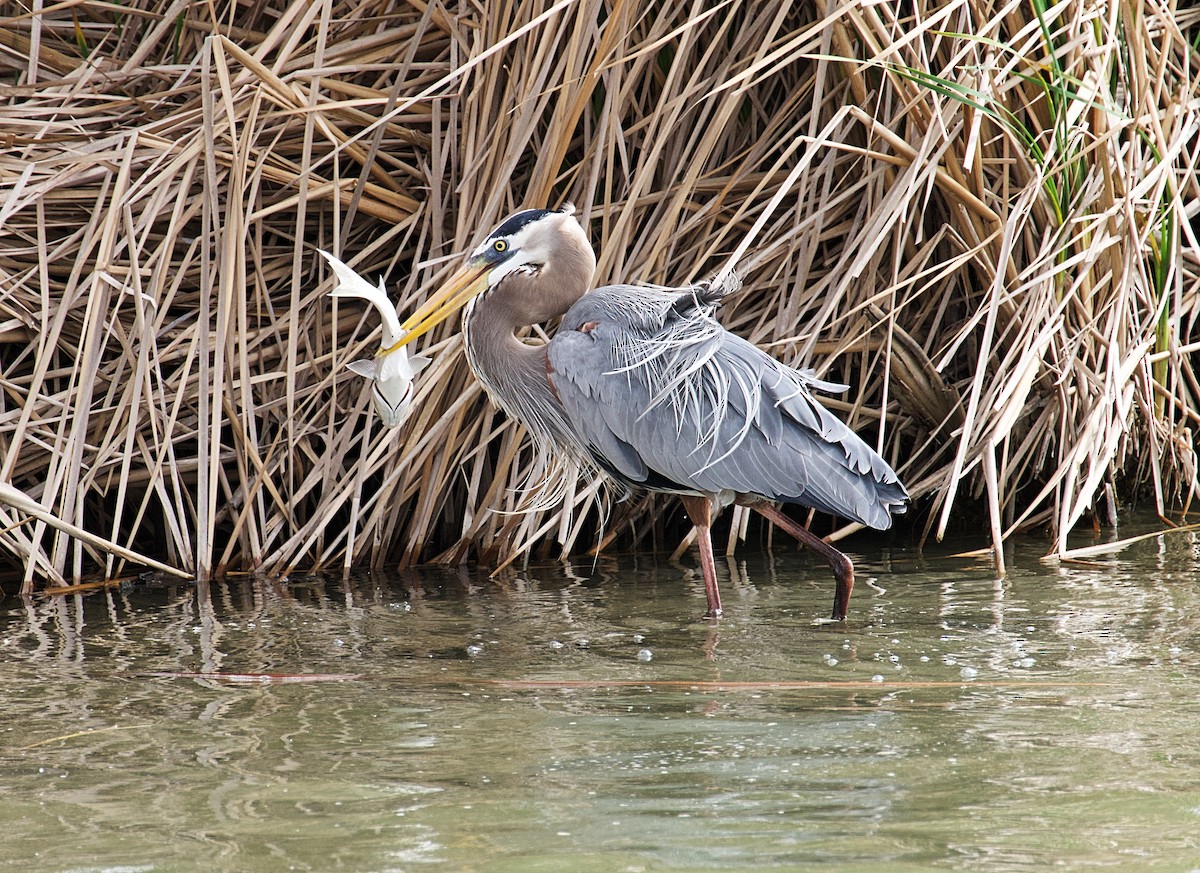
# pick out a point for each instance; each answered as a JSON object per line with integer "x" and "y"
{"x": 569, "y": 719}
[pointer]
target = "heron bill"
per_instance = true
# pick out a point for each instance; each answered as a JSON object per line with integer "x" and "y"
{"x": 459, "y": 288}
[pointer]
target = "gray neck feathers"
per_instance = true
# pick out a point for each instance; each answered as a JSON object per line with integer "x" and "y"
{"x": 514, "y": 372}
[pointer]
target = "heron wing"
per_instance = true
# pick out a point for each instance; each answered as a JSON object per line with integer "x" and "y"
{"x": 663, "y": 396}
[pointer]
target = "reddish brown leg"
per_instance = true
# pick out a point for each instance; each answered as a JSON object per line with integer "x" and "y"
{"x": 699, "y": 510}
{"x": 843, "y": 570}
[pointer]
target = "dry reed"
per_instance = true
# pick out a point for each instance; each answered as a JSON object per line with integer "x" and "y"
{"x": 977, "y": 213}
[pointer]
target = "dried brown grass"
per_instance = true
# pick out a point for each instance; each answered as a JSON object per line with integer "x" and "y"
{"x": 987, "y": 234}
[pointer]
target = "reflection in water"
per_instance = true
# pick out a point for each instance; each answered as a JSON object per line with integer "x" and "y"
{"x": 956, "y": 721}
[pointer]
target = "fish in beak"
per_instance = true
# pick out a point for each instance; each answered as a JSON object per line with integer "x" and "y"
{"x": 468, "y": 282}
{"x": 391, "y": 370}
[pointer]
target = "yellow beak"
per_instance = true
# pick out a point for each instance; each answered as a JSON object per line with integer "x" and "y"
{"x": 459, "y": 288}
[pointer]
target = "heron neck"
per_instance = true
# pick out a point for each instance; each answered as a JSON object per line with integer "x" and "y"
{"x": 506, "y": 366}
{"x": 515, "y": 372}
{"x": 512, "y": 371}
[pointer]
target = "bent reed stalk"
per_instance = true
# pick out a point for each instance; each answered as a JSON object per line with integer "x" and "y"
{"x": 978, "y": 214}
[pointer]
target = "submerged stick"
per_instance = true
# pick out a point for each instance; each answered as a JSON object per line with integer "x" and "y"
{"x": 22, "y": 502}
{"x": 707, "y": 685}
{"x": 71, "y": 736}
{"x": 258, "y": 678}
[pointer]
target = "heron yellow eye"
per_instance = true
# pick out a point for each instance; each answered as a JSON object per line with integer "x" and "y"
{"x": 500, "y": 245}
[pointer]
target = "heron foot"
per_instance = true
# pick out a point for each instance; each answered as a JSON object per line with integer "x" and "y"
{"x": 842, "y": 567}
{"x": 699, "y": 510}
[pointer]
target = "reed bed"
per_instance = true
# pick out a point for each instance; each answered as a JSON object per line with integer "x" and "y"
{"x": 977, "y": 213}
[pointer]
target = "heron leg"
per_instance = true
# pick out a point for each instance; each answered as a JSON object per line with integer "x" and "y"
{"x": 699, "y": 510}
{"x": 843, "y": 569}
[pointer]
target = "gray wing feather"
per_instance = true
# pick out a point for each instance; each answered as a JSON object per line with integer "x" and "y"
{"x": 659, "y": 392}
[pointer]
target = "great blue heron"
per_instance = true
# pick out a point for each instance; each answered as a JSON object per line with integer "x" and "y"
{"x": 647, "y": 386}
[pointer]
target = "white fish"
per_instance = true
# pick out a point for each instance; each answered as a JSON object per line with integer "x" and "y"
{"x": 392, "y": 374}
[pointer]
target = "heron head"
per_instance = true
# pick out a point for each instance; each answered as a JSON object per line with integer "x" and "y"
{"x": 540, "y": 258}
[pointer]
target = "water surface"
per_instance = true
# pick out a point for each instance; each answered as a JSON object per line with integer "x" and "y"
{"x": 571, "y": 718}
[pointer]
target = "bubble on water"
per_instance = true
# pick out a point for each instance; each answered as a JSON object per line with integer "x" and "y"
{"x": 637, "y": 638}
{"x": 968, "y": 672}
{"x": 474, "y": 650}
{"x": 1026, "y": 662}
{"x": 924, "y": 659}
{"x": 644, "y": 655}
{"x": 877, "y": 678}
{"x": 829, "y": 660}
{"x": 556, "y": 645}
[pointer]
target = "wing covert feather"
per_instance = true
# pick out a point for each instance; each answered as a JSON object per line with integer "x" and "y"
{"x": 658, "y": 390}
